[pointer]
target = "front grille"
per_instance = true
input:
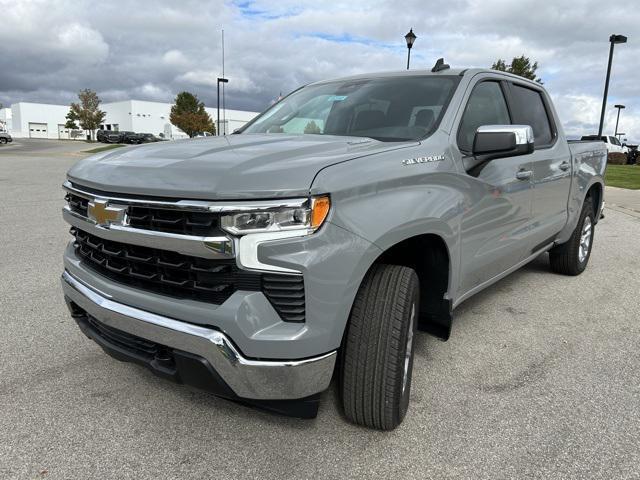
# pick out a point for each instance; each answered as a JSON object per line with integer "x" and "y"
{"x": 182, "y": 222}
{"x": 182, "y": 276}
{"x": 164, "y": 272}
{"x": 174, "y": 221}
{"x": 77, "y": 204}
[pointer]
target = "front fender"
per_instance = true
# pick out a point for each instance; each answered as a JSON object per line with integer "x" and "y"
{"x": 384, "y": 202}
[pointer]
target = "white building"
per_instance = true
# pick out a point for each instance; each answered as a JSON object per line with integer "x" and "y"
{"x": 38, "y": 120}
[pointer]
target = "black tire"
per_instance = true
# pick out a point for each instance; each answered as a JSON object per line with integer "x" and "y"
{"x": 3, "y": 141}
{"x": 378, "y": 344}
{"x": 568, "y": 258}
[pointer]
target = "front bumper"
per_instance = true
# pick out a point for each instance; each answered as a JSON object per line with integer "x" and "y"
{"x": 246, "y": 378}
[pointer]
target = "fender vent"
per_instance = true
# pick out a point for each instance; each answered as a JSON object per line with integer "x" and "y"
{"x": 286, "y": 294}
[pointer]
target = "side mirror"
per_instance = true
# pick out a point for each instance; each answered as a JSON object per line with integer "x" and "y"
{"x": 497, "y": 141}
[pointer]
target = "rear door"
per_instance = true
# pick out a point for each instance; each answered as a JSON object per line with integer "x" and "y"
{"x": 551, "y": 162}
{"x": 495, "y": 221}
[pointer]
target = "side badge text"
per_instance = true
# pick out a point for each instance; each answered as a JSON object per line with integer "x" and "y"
{"x": 429, "y": 159}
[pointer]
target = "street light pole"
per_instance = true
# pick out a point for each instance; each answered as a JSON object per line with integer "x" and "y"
{"x": 220, "y": 80}
{"x": 410, "y": 38}
{"x": 619, "y": 107}
{"x": 613, "y": 39}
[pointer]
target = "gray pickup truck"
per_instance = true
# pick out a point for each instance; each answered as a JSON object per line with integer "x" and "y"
{"x": 326, "y": 232}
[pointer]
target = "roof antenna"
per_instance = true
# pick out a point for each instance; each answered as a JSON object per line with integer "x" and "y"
{"x": 439, "y": 66}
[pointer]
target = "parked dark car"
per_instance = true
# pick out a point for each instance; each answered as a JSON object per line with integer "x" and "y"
{"x": 112, "y": 137}
{"x": 150, "y": 138}
{"x": 101, "y": 135}
{"x": 5, "y": 138}
{"x": 132, "y": 138}
{"x": 632, "y": 156}
{"x": 116, "y": 137}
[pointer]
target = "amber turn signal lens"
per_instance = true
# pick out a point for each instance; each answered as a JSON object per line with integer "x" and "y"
{"x": 319, "y": 210}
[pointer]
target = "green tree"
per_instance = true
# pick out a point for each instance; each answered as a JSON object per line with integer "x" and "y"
{"x": 311, "y": 127}
{"x": 71, "y": 121}
{"x": 189, "y": 115}
{"x": 71, "y": 124}
{"x": 519, "y": 66}
{"x": 87, "y": 111}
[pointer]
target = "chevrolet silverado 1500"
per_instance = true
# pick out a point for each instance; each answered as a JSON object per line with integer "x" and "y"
{"x": 325, "y": 233}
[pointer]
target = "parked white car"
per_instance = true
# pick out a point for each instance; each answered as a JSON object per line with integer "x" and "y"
{"x": 612, "y": 143}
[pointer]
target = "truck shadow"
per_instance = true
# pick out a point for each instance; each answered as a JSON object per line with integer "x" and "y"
{"x": 330, "y": 403}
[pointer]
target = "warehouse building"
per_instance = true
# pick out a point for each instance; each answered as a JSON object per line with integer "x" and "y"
{"x": 39, "y": 120}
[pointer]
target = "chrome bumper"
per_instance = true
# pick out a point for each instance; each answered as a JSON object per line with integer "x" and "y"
{"x": 250, "y": 379}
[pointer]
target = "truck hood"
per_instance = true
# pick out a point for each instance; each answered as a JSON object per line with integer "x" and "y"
{"x": 248, "y": 166}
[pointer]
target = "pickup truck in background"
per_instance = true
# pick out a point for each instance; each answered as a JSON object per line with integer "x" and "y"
{"x": 612, "y": 143}
{"x": 5, "y": 138}
{"x": 315, "y": 242}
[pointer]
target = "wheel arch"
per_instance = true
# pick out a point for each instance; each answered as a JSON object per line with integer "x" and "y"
{"x": 595, "y": 192}
{"x": 429, "y": 255}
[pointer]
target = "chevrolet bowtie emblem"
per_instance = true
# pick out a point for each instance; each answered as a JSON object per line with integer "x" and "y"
{"x": 104, "y": 214}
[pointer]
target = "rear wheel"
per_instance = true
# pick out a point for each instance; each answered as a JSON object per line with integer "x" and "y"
{"x": 571, "y": 258}
{"x": 377, "y": 359}
{"x": 3, "y": 141}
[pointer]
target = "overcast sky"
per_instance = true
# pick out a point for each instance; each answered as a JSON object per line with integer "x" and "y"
{"x": 150, "y": 50}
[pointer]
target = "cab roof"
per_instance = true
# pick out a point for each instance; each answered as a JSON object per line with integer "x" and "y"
{"x": 466, "y": 72}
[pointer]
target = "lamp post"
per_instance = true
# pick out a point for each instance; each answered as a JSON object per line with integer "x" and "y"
{"x": 619, "y": 107}
{"x": 613, "y": 39}
{"x": 220, "y": 80}
{"x": 410, "y": 38}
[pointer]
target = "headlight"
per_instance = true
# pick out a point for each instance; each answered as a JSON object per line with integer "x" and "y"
{"x": 307, "y": 215}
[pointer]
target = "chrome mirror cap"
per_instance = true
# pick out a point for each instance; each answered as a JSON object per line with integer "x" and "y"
{"x": 523, "y": 133}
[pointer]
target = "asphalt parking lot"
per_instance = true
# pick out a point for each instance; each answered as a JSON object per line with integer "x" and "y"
{"x": 541, "y": 378}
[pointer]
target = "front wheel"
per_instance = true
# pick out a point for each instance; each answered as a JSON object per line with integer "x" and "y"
{"x": 3, "y": 141}
{"x": 377, "y": 359}
{"x": 571, "y": 257}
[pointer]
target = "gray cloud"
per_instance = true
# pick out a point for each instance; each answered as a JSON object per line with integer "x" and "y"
{"x": 150, "y": 50}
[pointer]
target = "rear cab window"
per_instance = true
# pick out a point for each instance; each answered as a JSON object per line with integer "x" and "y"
{"x": 529, "y": 108}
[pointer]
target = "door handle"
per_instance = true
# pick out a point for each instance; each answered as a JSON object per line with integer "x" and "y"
{"x": 524, "y": 174}
{"x": 564, "y": 166}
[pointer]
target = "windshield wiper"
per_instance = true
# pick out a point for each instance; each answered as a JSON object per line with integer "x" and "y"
{"x": 385, "y": 139}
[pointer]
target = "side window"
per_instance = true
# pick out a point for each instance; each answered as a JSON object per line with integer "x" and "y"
{"x": 486, "y": 106}
{"x": 530, "y": 110}
{"x": 615, "y": 141}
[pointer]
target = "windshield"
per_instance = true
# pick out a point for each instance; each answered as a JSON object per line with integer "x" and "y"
{"x": 387, "y": 109}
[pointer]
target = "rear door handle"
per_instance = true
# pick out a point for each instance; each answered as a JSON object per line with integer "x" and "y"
{"x": 564, "y": 166}
{"x": 524, "y": 174}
